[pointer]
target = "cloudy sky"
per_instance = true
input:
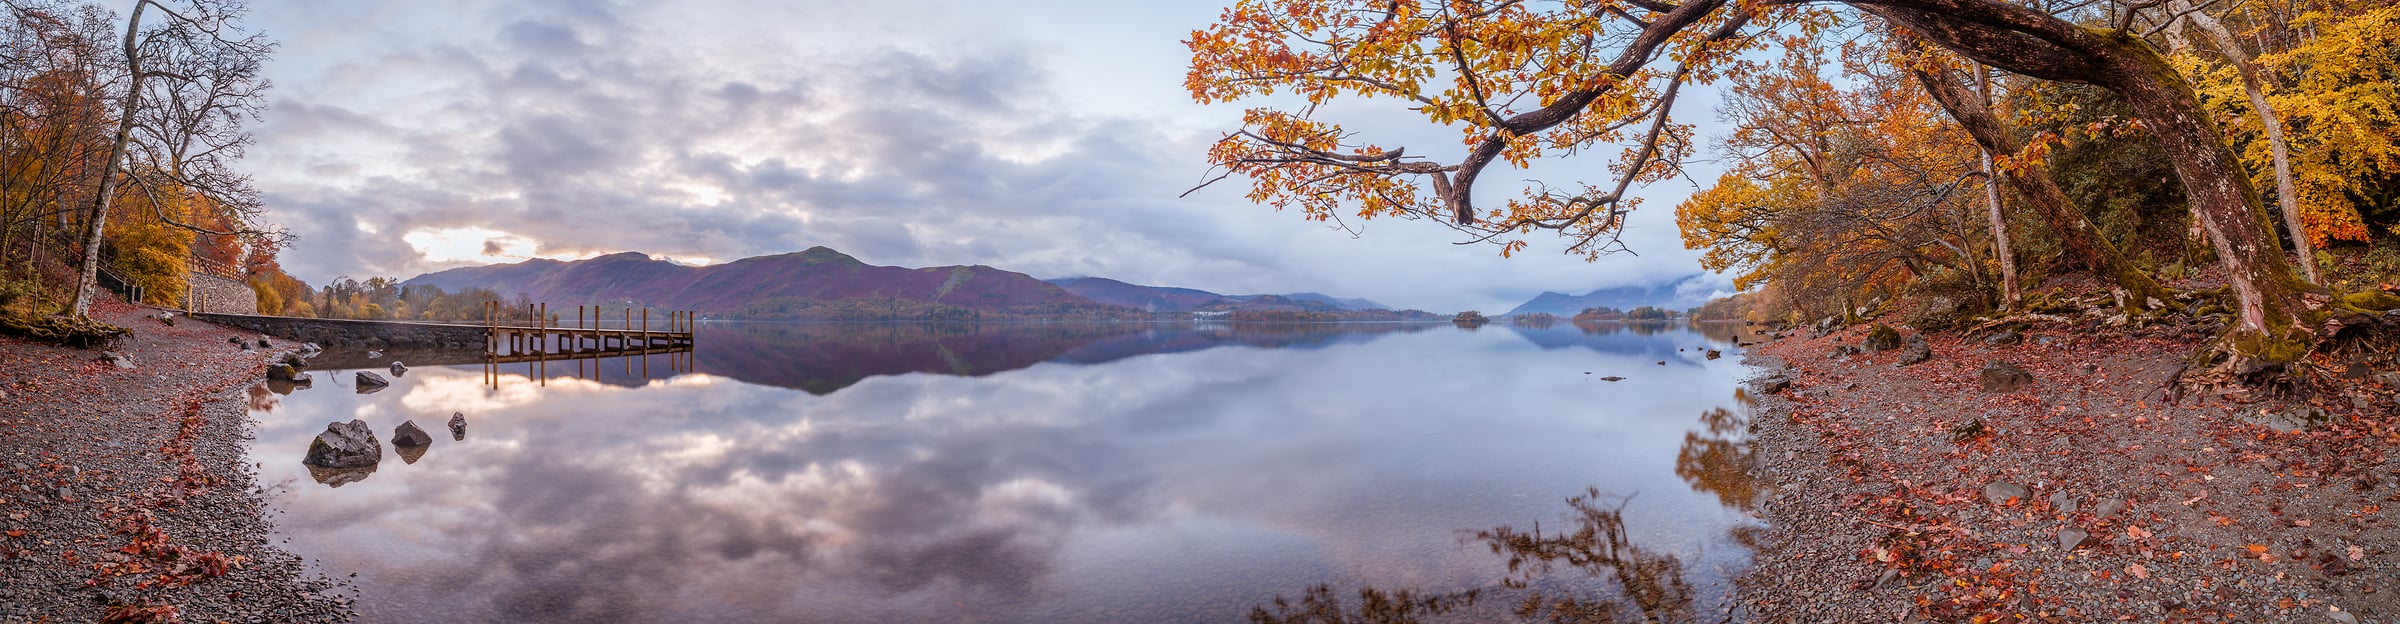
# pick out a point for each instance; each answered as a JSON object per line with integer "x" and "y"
{"x": 1051, "y": 138}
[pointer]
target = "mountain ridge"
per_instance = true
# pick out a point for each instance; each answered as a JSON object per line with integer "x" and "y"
{"x": 824, "y": 283}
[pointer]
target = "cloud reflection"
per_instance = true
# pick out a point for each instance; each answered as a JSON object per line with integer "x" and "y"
{"x": 1188, "y": 485}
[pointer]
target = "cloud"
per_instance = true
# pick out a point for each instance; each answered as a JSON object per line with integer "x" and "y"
{"x": 696, "y": 131}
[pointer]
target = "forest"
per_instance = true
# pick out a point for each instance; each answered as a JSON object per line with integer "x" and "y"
{"x": 2230, "y": 162}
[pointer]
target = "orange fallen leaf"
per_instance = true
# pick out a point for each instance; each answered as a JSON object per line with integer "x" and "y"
{"x": 2138, "y": 571}
{"x": 2257, "y": 549}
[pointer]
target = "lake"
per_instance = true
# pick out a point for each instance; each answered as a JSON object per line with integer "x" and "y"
{"x": 830, "y": 472}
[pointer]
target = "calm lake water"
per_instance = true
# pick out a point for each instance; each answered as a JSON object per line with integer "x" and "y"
{"x": 1040, "y": 473}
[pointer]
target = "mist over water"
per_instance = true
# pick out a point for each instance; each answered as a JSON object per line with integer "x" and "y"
{"x": 1037, "y": 473}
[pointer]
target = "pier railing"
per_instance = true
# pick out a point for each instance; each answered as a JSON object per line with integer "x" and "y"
{"x": 536, "y": 342}
{"x": 505, "y": 337}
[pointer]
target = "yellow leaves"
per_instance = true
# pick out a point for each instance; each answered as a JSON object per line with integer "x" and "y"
{"x": 2341, "y": 110}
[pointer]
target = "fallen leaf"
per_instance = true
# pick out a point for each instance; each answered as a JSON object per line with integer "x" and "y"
{"x": 2300, "y": 523}
{"x": 2136, "y": 532}
{"x": 2138, "y": 571}
{"x": 2358, "y": 554}
{"x": 2257, "y": 548}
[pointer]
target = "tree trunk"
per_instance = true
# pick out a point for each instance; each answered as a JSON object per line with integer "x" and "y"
{"x": 2266, "y": 290}
{"x": 2009, "y": 295}
{"x": 2034, "y": 184}
{"x": 2001, "y": 246}
{"x": 2253, "y": 85}
{"x": 108, "y": 171}
{"x": 2031, "y": 42}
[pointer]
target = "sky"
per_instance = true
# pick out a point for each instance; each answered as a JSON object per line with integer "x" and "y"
{"x": 1049, "y": 138}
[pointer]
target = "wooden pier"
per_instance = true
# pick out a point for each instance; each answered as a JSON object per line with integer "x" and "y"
{"x": 587, "y": 335}
{"x": 535, "y": 345}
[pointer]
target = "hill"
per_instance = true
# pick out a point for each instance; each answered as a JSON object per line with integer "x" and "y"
{"x": 816, "y": 283}
{"x": 1172, "y": 299}
{"x": 1147, "y": 298}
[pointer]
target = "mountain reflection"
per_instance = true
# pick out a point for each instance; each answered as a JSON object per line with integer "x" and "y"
{"x": 820, "y": 358}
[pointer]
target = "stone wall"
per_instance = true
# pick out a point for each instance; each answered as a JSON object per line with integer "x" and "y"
{"x": 348, "y": 333}
{"x": 209, "y": 293}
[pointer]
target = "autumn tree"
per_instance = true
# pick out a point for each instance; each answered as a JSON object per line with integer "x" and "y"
{"x": 1834, "y": 190}
{"x": 190, "y": 80}
{"x": 1520, "y": 82}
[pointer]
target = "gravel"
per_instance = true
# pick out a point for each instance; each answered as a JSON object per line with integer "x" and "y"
{"x": 2186, "y": 512}
{"x": 93, "y": 456}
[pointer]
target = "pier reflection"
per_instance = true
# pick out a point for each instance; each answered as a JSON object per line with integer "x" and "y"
{"x": 593, "y": 364}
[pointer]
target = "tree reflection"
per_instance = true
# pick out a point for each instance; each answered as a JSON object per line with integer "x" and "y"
{"x": 1720, "y": 461}
{"x": 1638, "y": 584}
{"x": 1643, "y": 585}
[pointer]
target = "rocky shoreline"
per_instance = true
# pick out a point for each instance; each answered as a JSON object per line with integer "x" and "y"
{"x": 125, "y": 488}
{"x": 2097, "y": 490}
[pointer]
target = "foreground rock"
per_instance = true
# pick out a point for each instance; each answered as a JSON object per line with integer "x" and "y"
{"x": 399, "y": 369}
{"x": 369, "y": 382}
{"x": 409, "y": 434}
{"x": 458, "y": 426}
{"x": 1772, "y": 383}
{"x": 1881, "y": 338}
{"x": 344, "y": 445}
{"x": 1914, "y": 351}
{"x": 2003, "y": 377}
{"x": 1999, "y": 493}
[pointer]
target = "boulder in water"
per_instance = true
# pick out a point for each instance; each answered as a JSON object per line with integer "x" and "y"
{"x": 344, "y": 445}
{"x": 409, "y": 434}
{"x": 399, "y": 369}
{"x": 368, "y": 382}
{"x": 458, "y": 426}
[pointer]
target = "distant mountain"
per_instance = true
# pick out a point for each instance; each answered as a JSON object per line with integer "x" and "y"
{"x": 1269, "y": 303}
{"x": 1682, "y": 294}
{"x": 1346, "y": 304}
{"x": 1171, "y": 299}
{"x": 817, "y": 283}
{"x": 1149, "y": 298}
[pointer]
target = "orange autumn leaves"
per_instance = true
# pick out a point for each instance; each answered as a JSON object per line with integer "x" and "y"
{"x": 1483, "y": 71}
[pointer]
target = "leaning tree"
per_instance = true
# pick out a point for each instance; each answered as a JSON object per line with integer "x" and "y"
{"x": 1521, "y": 81}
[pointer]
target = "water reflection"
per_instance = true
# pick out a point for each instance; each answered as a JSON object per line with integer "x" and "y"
{"x": 1045, "y": 474}
{"x": 1594, "y": 571}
